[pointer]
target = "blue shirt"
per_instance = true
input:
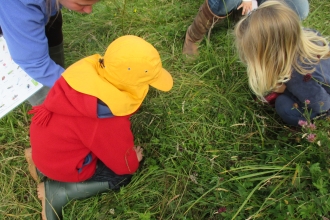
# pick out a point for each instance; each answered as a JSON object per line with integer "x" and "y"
{"x": 103, "y": 111}
{"x": 23, "y": 25}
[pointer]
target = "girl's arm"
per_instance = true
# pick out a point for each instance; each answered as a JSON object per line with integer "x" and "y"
{"x": 113, "y": 143}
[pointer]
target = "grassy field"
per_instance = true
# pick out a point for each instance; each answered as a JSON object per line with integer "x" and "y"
{"x": 211, "y": 150}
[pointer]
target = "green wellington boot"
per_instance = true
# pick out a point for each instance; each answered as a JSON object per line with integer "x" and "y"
{"x": 36, "y": 175}
{"x": 54, "y": 195}
{"x": 56, "y": 53}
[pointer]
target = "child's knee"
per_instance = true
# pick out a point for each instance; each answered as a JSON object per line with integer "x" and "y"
{"x": 283, "y": 106}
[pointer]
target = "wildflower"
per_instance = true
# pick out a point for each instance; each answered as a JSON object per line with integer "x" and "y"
{"x": 295, "y": 105}
{"x": 311, "y": 137}
{"x": 221, "y": 209}
{"x": 307, "y": 102}
{"x": 312, "y": 126}
{"x": 302, "y": 123}
{"x": 307, "y": 77}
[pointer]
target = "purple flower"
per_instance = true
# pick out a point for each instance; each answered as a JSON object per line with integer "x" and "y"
{"x": 307, "y": 102}
{"x": 312, "y": 126}
{"x": 311, "y": 137}
{"x": 307, "y": 77}
{"x": 302, "y": 123}
{"x": 221, "y": 209}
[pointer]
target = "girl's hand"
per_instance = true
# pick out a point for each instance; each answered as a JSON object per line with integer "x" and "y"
{"x": 247, "y": 6}
{"x": 280, "y": 88}
{"x": 139, "y": 152}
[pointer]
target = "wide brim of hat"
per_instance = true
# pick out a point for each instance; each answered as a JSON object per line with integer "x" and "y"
{"x": 164, "y": 81}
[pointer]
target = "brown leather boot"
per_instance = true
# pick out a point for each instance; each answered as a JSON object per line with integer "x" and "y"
{"x": 203, "y": 22}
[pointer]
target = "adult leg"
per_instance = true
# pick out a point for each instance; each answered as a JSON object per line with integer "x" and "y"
{"x": 53, "y": 31}
{"x": 301, "y": 7}
{"x": 223, "y": 7}
{"x": 55, "y": 38}
{"x": 204, "y": 21}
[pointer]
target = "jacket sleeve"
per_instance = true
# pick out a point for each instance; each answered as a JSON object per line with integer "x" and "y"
{"x": 113, "y": 143}
{"x": 23, "y": 26}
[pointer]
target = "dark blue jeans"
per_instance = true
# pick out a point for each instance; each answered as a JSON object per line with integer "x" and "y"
{"x": 223, "y": 7}
{"x": 284, "y": 108}
{"x": 103, "y": 174}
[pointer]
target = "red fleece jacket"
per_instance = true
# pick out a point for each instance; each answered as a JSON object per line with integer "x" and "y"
{"x": 65, "y": 129}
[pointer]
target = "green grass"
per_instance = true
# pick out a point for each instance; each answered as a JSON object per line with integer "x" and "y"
{"x": 208, "y": 144}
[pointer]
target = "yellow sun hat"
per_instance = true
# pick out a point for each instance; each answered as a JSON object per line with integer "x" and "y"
{"x": 122, "y": 77}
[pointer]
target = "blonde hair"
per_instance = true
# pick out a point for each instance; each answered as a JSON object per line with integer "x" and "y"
{"x": 271, "y": 42}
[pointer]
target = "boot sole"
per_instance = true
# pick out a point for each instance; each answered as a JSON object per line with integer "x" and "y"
{"x": 42, "y": 197}
{"x": 41, "y": 190}
{"x": 32, "y": 168}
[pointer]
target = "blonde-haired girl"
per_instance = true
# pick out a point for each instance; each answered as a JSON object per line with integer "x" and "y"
{"x": 33, "y": 32}
{"x": 283, "y": 57}
{"x": 212, "y": 12}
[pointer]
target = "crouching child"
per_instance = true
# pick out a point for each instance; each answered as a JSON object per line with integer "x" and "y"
{"x": 81, "y": 139}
